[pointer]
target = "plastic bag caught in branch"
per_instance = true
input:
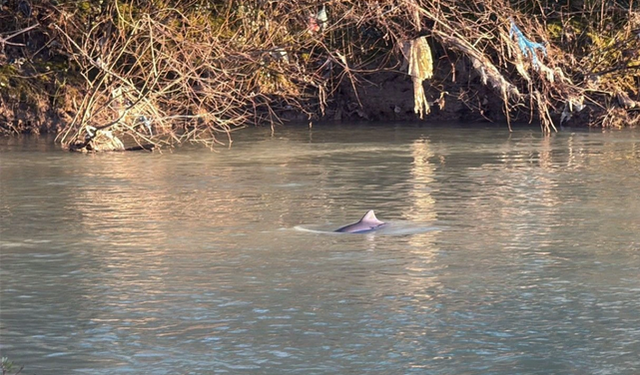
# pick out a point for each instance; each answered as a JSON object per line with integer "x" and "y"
{"x": 527, "y": 47}
{"x": 418, "y": 55}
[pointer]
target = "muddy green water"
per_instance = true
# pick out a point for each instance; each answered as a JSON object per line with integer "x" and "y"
{"x": 515, "y": 254}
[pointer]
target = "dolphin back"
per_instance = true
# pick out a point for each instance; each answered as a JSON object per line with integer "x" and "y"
{"x": 368, "y": 223}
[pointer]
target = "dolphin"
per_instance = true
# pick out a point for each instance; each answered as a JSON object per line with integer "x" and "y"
{"x": 368, "y": 223}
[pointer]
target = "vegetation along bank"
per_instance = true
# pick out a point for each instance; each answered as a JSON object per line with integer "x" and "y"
{"x": 133, "y": 74}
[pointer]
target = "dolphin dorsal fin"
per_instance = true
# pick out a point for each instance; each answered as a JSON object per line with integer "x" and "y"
{"x": 370, "y": 217}
{"x": 368, "y": 223}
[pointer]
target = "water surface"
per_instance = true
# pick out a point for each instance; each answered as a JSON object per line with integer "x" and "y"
{"x": 188, "y": 262}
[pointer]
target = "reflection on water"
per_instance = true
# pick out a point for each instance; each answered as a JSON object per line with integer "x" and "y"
{"x": 508, "y": 253}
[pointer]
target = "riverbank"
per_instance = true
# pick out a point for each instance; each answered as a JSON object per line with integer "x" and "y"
{"x": 118, "y": 75}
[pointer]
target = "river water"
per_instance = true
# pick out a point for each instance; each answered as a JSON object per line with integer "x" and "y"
{"x": 505, "y": 254}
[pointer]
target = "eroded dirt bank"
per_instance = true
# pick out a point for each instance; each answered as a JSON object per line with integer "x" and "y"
{"x": 119, "y": 74}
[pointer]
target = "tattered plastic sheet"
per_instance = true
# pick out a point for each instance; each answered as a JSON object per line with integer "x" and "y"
{"x": 418, "y": 55}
